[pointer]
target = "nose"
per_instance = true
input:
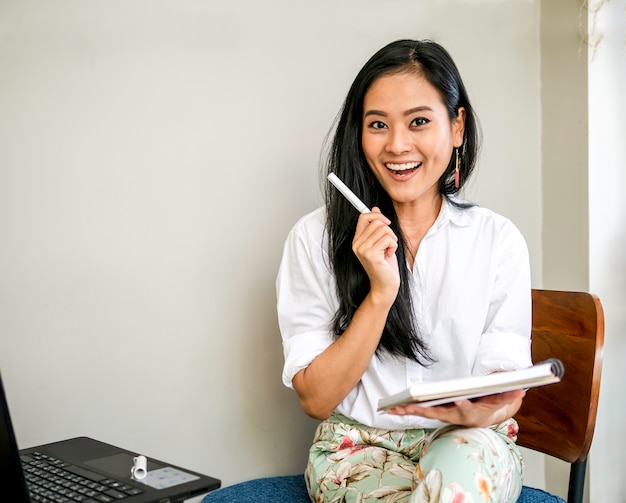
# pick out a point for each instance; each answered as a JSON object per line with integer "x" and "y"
{"x": 399, "y": 141}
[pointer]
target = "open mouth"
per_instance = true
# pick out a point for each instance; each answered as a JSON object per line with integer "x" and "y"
{"x": 403, "y": 169}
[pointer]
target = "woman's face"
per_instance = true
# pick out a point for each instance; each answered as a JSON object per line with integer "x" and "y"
{"x": 408, "y": 137}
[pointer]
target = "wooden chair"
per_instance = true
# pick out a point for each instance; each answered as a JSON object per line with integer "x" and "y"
{"x": 559, "y": 419}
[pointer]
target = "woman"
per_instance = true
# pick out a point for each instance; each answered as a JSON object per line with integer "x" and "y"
{"x": 425, "y": 287}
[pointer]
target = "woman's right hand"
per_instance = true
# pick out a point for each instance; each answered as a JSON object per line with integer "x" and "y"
{"x": 375, "y": 246}
{"x": 338, "y": 369}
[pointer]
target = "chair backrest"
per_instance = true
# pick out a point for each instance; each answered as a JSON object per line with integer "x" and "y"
{"x": 559, "y": 419}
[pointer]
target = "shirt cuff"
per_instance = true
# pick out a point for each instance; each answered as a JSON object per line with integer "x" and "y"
{"x": 300, "y": 350}
{"x": 502, "y": 351}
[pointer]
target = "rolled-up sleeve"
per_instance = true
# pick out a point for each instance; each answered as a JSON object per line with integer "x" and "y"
{"x": 305, "y": 296}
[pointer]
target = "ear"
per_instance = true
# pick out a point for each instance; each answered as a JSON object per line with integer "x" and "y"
{"x": 458, "y": 127}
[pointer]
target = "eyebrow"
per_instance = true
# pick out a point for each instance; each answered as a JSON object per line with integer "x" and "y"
{"x": 410, "y": 111}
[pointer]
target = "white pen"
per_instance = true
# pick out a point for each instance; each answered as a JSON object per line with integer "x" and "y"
{"x": 350, "y": 196}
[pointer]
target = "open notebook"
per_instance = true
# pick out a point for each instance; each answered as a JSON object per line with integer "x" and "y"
{"x": 437, "y": 393}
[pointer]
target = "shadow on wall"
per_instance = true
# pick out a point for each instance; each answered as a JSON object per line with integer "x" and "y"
{"x": 272, "y": 411}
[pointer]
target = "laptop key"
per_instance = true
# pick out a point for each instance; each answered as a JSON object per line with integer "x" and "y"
{"x": 116, "y": 494}
{"x": 81, "y": 472}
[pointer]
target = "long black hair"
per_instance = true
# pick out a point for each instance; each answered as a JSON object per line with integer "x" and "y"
{"x": 401, "y": 335}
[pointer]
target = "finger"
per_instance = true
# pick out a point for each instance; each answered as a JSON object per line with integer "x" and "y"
{"x": 501, "y": 398}
{"x": 376, "y": 211}
{"x": 370, "y": 222}
{"x": 374, "y": 233}
{"x": 376, "y": 247}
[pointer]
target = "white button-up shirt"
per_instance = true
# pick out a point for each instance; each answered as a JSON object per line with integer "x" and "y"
{"x": 471, "y": 295}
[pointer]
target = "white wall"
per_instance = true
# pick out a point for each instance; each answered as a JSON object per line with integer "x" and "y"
{"x": 564, "y": 148}
{"x": 584, "y": 237}
{"x": 564, "y": 165}
{"x": 153, "y": 155}
{"x": 607, "y": 236}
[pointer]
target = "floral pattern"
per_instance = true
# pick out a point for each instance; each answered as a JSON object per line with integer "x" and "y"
{"x": 351, "y": 463}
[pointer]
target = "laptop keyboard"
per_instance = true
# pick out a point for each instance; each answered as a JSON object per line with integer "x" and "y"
{"x": 52, "y": 480}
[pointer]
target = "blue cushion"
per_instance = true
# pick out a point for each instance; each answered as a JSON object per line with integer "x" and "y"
{"x": 531, "y": 495}
{"x": 292, "y": 489}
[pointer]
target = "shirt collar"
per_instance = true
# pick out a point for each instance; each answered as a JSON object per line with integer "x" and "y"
{"x": 452, "y": 214}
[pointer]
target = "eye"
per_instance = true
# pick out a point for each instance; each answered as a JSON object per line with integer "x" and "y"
{"x": 419, "y": 121}
{"x": 377, "y": 125}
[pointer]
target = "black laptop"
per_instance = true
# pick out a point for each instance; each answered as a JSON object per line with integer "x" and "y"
{"x": 84, "y": 470}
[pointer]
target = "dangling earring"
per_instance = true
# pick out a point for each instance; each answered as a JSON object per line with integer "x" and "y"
{"x": 457, "y": 174}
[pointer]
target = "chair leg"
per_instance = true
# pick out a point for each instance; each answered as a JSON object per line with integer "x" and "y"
{"x": 576, "y": 482}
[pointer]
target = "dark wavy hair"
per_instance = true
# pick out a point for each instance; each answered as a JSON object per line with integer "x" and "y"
{"x": 425, "y": 58}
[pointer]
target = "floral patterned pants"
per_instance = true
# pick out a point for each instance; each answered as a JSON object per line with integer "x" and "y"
{"x": 352, "y": 463}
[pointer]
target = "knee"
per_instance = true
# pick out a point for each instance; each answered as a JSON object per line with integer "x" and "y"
{"x": 474, "y": 460}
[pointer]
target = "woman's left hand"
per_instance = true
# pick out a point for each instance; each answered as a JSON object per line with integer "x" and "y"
{"x": 477, "y": 412}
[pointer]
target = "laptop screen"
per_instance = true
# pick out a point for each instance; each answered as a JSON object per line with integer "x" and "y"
{"x": 14, "y": 484}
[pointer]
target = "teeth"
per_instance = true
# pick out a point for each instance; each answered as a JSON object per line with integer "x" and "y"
{"x": 402, "y": 167}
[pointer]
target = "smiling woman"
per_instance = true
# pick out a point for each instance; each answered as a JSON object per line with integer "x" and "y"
{"x": 423, "y": 287}
{"x": 408, "y": 141}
